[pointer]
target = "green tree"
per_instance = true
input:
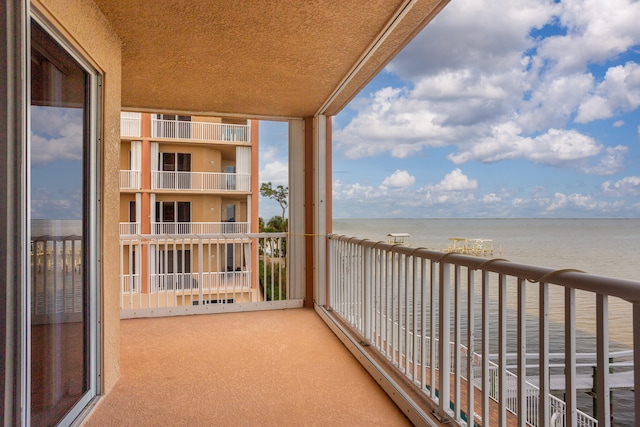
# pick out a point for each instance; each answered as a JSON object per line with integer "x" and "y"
{"x": 279, "y": 194}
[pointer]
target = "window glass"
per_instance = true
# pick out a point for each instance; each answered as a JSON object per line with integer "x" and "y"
{"x": 59, "y": 211}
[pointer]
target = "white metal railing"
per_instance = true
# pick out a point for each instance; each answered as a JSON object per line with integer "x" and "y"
{"x": 129, "y": 180}
{"x": 130, "y": 124}
{"x": 199, "y": 228}
{"x": 56, "y": 276}
{"x": 129, "y": 228}
{"x": 200, "y": 270}
{"x": 400, "y": 298}
{"x": 217, "y": 181}
{"x": 200, "y": 131}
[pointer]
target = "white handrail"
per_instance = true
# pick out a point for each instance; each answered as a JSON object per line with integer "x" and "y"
{"x": 392, "y": 295}
{"x": 212, "y": 181}
{"x": 200, "y": 131}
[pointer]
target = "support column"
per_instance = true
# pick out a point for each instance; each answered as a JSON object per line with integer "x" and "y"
{"x": 309, "y": 132}
{"x": 145, "y": 204}
{"x": 252, "y": 202}
{"x": 297, "y": 247}
{"x": 320, "y": 209}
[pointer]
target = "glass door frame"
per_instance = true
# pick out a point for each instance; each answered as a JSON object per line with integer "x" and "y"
{"x": 93, "y": 226}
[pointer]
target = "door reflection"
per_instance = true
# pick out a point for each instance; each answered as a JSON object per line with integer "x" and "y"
{"x": 59, "y": 216}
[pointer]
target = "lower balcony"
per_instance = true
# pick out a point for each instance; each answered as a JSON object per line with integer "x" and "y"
{"x": 200, "y": 181}
{"x": 199, "y": 228}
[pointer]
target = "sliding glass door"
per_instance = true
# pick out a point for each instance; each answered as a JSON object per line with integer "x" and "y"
{"x": 62, "y": 191}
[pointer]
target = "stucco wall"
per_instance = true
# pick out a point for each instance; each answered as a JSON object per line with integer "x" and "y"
{"x": 81, "y": 22}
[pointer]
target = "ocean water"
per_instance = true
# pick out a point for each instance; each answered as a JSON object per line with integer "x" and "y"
{"x": 603, "y": 247}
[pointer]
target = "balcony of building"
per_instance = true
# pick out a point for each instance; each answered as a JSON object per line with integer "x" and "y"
{"x": 186, "y": 129}
{"x": 130, "y": 125}
{"x": 392, "y": 305}
{"x": 200, "y": 181}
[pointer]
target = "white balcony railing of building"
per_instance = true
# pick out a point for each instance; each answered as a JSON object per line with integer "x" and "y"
{"x": 129, "y": 180}
{"x": 129, "y": 228}
{"x": 203, "y": 181}
{"x": 200, "y": 131}
{"x": 130, "y": 125}
{"x": 200, "y": 228}
{"x": 202, "y": 272}
{"x": 400, "y": 299}
{"x": 56, "y": 277}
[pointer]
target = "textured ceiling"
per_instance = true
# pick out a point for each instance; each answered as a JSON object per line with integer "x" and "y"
{"x": 280, "y": 58}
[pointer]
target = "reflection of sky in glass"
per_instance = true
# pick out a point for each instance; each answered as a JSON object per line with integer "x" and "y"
{"x": 56, "y": 163}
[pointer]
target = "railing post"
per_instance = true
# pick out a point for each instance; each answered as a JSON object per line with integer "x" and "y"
{"x": 444, "y": 333}
{"x": 366, "y": 300}
{"x": 602, "y": 339}
{"x": 636, "y": 360}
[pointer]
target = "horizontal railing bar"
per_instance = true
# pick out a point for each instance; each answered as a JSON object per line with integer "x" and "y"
{"x": 627, "y": 290}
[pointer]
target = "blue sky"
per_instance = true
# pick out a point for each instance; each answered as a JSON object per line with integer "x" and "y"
{"x": 503, "y": 108}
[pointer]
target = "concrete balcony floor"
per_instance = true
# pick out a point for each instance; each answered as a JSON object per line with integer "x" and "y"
{"x": 281, "y": 368}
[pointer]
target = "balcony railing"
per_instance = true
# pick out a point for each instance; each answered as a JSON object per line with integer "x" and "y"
{"x": 200, "y": 228}
{"x": 129, "y": 228}
{"x": 200, "y": 131}
{"x": 202, "y": 181}
{"x": 56, "y": 277}
{"x": 202, "y": 271}
{"x": 401, "y": 299}
{"x": 129, "y": 180}
{"x": 130, "y": 125}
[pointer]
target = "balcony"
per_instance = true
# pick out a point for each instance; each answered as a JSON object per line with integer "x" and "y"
{"x": 179, "y": 228}
{"x": 263, "y": 368}
{"x": 129, "y": 228}
{"x": 200, "y": 131}
{"x": 391, "y": 306}
{"x": 129, "y": 180}
{"x": 130, "y": 125}
{"x": 200, "y": 181}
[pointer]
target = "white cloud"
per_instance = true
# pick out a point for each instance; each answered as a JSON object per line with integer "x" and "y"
{"x": 558, "y": 201}
{"x": 628, "y": 186}
{"x": 454, "y": 181}
{"x": 618, "y": 124}
{"x": 618, "y": 92}
{"x": 595, "y": 31}
{"x": 276, "y": 171}
{"x": 611, "y": 161}
{"x": 57, "y": 134}
{"x": 398, "y": 180}
{"x": 491, "y": 198}
{"x": 481, "y": 82}
{"x": 556, "y": 147}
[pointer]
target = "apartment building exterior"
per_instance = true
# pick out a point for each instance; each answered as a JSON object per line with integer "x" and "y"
{"x": 188, "y": 200}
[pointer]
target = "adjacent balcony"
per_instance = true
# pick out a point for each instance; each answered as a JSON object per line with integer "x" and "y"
{"x": 129, "y": 180}
{"x": 200, "y": 181}
{"x": 129, "y": 228}
{"x": 130, "y": 125}
{"x": 200, "y": 228}
{"x": 200, "y": 131}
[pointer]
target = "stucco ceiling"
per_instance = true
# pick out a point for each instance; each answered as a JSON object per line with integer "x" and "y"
{"x": 280, "y": 58}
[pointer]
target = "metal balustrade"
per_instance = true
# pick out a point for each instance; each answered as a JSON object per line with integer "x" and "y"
{"x": 199, "y": 228}
{"x": 200, "y": 131}
{"x": 212, "y": 181}
{"x": 193, "y": 271}
{"x": 129, "y": 180}
{"x": 400, "y": 299}
{"x": 129, "y": 228}
{"x": 130, "y": 125}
